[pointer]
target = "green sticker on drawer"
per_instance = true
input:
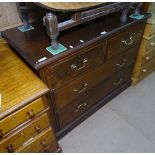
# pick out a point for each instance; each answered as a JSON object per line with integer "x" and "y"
{"x": 22, "y": 28}
{"x": 136, "y": 17}
{"x": 58, "y": 51}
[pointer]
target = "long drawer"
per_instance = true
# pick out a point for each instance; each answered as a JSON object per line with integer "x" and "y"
{"x": 76, "y": 65}
{"x": 38, "y": 143}
{"x": 22, "y": 115}
{"x": 124, "y": 41}
{"x": 15, "y": 140}
{"x": 87, "y": 100}
{"x": 79, "y": 86}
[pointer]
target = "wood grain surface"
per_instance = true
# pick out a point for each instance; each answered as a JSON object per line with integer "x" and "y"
{"x": 18, "y": 84}
{"x": 67, "y": 6}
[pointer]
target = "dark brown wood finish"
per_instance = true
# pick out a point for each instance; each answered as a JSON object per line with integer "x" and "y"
{"x": 32, "y": 45}
{"x": 87, "y": 100}
{"x": 72, "y": 67}
{"x": 85, "y": 77}
{"x": 65, "y": 95}
{"x": 91, "y": 110}
{"x": 124, "y": 40}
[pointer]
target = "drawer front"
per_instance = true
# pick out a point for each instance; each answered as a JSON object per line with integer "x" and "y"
{"x": 51, "y": 148}
{"x": 77, "y": 87}
{"x": 11, "y": 143}
{"x": 74, "y": 66}
{"x": 22, "y": 115}
{"x": 87, "y": 100}
{"x": 38, "y": 143}
{"x": 151, "y": 43}
{"x": 124, "y": 41}
{"x": 146, "y": 58}
{"x": 149, "y": 30}
{"x": 147, "y": 67}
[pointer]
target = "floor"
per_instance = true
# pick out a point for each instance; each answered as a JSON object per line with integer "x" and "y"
{"x": 125, "y": 124}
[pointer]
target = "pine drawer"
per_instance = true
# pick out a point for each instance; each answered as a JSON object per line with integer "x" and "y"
{"x": 22, "y": 115}
{"x": 15, "y": 140}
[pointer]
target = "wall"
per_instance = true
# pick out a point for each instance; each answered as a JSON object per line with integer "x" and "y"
{"x": 8, "y": 15}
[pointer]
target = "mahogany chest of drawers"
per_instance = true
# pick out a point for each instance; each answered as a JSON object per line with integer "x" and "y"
{"x": 25, "y": 121}
{"x": 89, "y": 73}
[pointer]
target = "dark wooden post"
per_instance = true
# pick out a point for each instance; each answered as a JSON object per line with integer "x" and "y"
{"x": 124, "y": 15}
{"x": 137, "y": 8}
{"x": 24, "y": 12}
{"x": 51, "y": 24}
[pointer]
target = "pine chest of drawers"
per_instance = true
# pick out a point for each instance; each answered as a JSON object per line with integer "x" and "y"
{"x": 25, "y": 122}
{"x": 85, "y": 77}
{"x": 145, "y": 62}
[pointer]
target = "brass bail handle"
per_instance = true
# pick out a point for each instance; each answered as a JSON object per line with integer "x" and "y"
{"x": 82, "y": 105}
{"x": 74, "y": 66}
{"x": 79, "y": 91}
{"x": 123, "y": 63}
{"x": 117, "y": 83}
{"x": 128, "y": 43}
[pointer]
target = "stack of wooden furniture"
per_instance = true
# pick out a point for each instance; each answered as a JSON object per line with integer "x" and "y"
{"x": 25, "y": 122}
{"x": 96, "y": 66}
{"x": 145, "y": 63}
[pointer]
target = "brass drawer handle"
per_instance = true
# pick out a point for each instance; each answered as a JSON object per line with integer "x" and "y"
{"x": 43, "y": 143}
{"x": 10, "y": 148}
{"x": 152, "y": 44}
{"x": 122, "y": 64}
{"x": 37, "y": 128}
{"x": 31, "y": 113}
{"x": 74, "y": 66}
{"x": 82, "y": 105}
{"x": 117, "y": 83}
{"x": 128, "y": 43}
{"x": 79, "y": 91}
{"x": 1, "y": 134}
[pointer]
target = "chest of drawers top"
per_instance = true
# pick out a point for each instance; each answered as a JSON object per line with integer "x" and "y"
{"x": 18, "y": 84}
{"x": 32, "y": 45}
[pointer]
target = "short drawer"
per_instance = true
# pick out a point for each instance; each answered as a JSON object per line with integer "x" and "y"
{"x": 147, "y": 67}
{"x": 79, "y": 86}
{"x": 51, "y": 148}
{"x": 124, "y": 41}
{"x": 147, "y": 57}
{"x": 72, "y": 67}
{"x": 38, "y": 143}
{"x": 149, "y": 30}
{"x": 151, "y": 43}
{"x": 15, "y": 140}
{"x": 22, "y": 115}
{"x": 86, "y": 101}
